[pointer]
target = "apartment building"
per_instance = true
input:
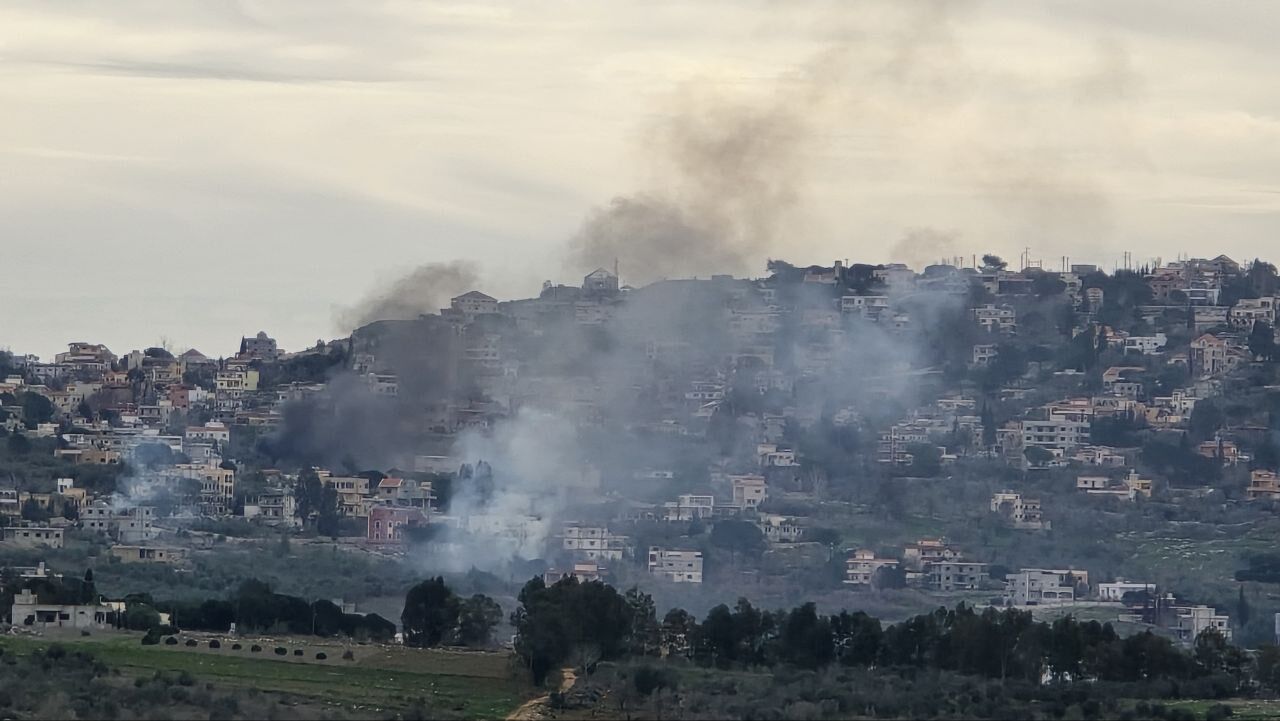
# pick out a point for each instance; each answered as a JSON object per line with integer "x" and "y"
{"x": 676, "y": 566}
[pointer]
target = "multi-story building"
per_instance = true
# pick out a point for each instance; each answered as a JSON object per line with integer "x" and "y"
{"x": 1037, "y": 587}
{"x": 388, "y": 524}
{"x": 1247, "y": 311}
{"x": 955, "y": 575}
{"x": 593, "y": 542}
{"x": 129, "y": 525}
{"x": 861, "y": 566}
{"x": 676, "y": 565}
{"x": 1191, "y": 621}
{"x": 1024, "y": 513}
{"x": 687, "y": 507}
{"x": 1055, "y": 434}
{"x": 1263, "y": 485}
{"x": 217, "y": 486}
{"x": 996, "y": 319}
{"x": 748, "y": 491}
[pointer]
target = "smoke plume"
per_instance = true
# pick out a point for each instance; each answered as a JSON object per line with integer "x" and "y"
{"x": 424, "y": 290}
{"x": 924, "y": 246}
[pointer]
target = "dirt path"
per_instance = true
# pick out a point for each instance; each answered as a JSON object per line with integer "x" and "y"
{"x": 537, "y": 708}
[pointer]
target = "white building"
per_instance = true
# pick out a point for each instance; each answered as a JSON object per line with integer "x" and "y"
{"x": 1038, "y": 587}
{"x": 1117, "y": 590}
{"x": 593, "y": 542}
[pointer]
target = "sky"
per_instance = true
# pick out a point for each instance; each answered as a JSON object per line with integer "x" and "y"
{"x": 184, "y": 173}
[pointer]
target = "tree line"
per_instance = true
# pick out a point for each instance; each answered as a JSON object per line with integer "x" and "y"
{"x": 582, "y": 623}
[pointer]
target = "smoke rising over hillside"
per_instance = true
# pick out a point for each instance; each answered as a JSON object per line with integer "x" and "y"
{"x": 425, "y": 289}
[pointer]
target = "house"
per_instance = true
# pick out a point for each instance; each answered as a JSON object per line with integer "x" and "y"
{"x": 1024, "y": 513}
{"x": 1263, "y": 485}
{"x": 984, "y": 353}
{"x": 1055, "y": 434}
{"x": 600, "y": 282}
{"x": 748, "y": 491}
{"x": 210, "y": 432}
{"x": 125, "y": 525}
{"x": 259, "y": 347}
{"x": 592, "y": 542}
{"x": 1145, "y": 344}
{"x": 28, "y": 612}
{"x": 1206, "y": 316}
{"x": 927, "y": 550}
{"x": 996, "y": 319}
{"x": 687, "y": 507}
{"x": 149, "y": 554}
{"x": 1117, "y": 590}
{"x": 1248, "y": 311}
{"x": 352, "y": 492}
{"x": 387, "y": 524}
{"x": 1191, "y": 621}
{"x": 472, "y": 304}
{"x": 955, "y": 575}
{"x": 1038, "y": 587}
{"x": 217, "y": 486}
{"x": 676, "y": 566}
{"x": 31, "y": 536}
{"x": 861, "y": 566}
{"x": 1208, "y": 355}
{"x": 1227, "y": 452}
{"x": 276, "y": 507}
{"x": 781, "y": 529}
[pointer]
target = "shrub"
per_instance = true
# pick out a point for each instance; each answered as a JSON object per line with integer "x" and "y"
{"x": 348, "y": 655}
{"x": 171, "y": 641}
{"x": 282, "y": 651}
{"x": 1218, "y": 712}
{"x": 191, "y": 642}
{"x": 151, "y": 638}
{"x": 85, "y": 633}
{"x": 297, "y": 652}
{"x": 321, "y": 656}
{"x": 236, "y": 647}
{"x": 255, "y": 648}
{"x": 215, "y": 643}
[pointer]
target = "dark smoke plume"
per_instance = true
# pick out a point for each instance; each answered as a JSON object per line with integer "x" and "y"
{"x": 426, "y": 289}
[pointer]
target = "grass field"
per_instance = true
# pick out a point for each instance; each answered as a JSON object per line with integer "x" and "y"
{"x": 381, "y": 678}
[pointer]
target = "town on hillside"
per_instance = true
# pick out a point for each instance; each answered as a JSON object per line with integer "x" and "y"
{"x": 877, "y": 437}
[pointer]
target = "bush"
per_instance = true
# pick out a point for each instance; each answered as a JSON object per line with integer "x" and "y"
{"x": 282, "y": 651}
{"x": 151, "y": 638}
{"x": 297, "y": 652}
{"x": 191, "y": 642}
{"x": 348, "y": 655}
{"x": 1218, "y": 712}
{"x": 255, "y": 648}
{"x": 215, "y": 643}
{"x": 236, "y": 647}
{"x": 85, "y": 633}
{"x": 171, "y": 641}
{"x": 321, "y": 656}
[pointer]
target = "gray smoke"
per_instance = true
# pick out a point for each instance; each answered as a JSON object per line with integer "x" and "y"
{"x": 921, "y": 247}
{"x": 426, "y": 289}
{"x": 729, "y": 172}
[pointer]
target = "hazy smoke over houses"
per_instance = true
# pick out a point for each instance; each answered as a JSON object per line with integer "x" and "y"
{"x": 424, "y": 290}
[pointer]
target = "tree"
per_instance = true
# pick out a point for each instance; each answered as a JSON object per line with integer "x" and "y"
{"x": 1037, "y": 456}
{"x": 18, "y": 445}
{"x": 1243, "y": 612}
{"x": 738, "y": 537}
{"x": 430, "y": 613}
{"x": 1262, "y": 340}
{"x": 153, "y": 455}
{"x": 477, "y": 617}
{"x": 36, "y": 409}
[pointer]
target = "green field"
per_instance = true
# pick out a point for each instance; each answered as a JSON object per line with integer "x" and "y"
{"x": 380, "y": 679}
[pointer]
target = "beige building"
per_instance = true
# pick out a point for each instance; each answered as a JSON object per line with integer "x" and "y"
{"x": 676, "y": 566}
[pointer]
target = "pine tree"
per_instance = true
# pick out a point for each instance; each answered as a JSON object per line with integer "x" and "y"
{"x": 1242, "y": 609}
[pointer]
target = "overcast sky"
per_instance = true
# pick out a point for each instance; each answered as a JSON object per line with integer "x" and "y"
{"x": 197, "y": 171}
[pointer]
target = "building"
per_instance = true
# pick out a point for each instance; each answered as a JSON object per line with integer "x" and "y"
{"x": 781, "y": 529}
{"x": 748, "y": 491}
{"x": 861, "y": 566}
{"x": 996, "y": 319}
{"x": 600, "y": 282}
{"x": 259, "y": 347}
{"x": 1145, "y": 344}
{"x": 687, "y": 507}
{"x": 984, "y": 353}
{"x": 926, "y": 551}
{"x": 1208, "y": 355}
{"x": 1263, "y": 485}
{"x": 1191, "y": 621}
{"x": 592, "y": 542}
{"x": 149, "y": 554}
{"x": 276, "y": 507}
{"x": 585, "y": 572}
{"x": 1023, "y": 513}
{"x": 1037, "y": 587}
{"x": 125, "y": 525}
{"x": 28, "y": 612}
{"x": 217, "y": 486}
{"x": 676, "y": 566}
{"x": 955, "y": 575}
{"x": 1117, "y": 590}
{"x": 1055, "y": 434}
{"x": 387, "y": 524}
{"x": 1248, "y": 311}
{"x": 31, "y": 536}
{"x": 473, "y": 303}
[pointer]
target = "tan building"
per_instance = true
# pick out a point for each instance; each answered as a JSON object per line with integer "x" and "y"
{"x": 860, "y": 568}
{"x": 1263, "y": 485}
{"x": 149, "y": 554}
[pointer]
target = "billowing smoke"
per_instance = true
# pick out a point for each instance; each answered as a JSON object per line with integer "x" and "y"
{"x": 729, "y": 172}
{"x": 921, "y": 247}
{"x": 424, "y": 290}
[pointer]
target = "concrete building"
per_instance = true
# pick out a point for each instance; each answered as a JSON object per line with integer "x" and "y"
{"x": 861, "y": 566}
{"x": 956, "y": 575}
{"x": 1039, "y": 587}
{"x": 149, "y": 554}
{"x": 31, "y": 536}
{"x": 124, "y": 525}
{"x": 28, "y": 612}
{"x": 675, "y": 565}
